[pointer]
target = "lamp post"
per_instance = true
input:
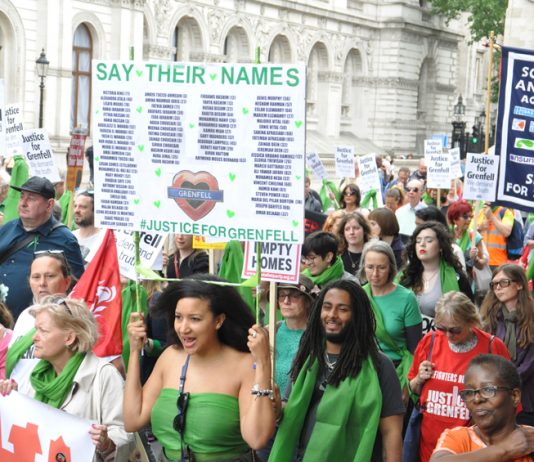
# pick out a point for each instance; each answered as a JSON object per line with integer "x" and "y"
{"x": 42, "y": 70}
{"x": 458, "y": 127}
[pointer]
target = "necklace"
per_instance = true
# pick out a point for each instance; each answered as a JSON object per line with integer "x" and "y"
{"x": 330, "y": 360}
{"x": 353, "y": 264}
{"x": 428, "y": 279}
{"x": 464, "y": 347}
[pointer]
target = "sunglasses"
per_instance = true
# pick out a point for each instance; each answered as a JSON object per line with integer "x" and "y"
{"x": 48, "y": 252}
{"x": 349, "y": 192}
{"x": 412, "y": 189}
{"x": 501, "y": 284}
{"x": 179, "y": 421}
{"x": 450, "y": 330}
{"x": 485, "y": 392}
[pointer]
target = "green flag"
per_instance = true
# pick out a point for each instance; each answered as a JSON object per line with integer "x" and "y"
{"x": 19, "y": 175}
{"x": 64, "y": 202}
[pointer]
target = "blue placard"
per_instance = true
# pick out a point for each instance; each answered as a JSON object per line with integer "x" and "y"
{"x": 515, "y": 130}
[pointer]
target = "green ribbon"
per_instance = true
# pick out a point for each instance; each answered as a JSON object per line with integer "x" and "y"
{"x": 327, "y": 187}
{"x": 369, "y": 195}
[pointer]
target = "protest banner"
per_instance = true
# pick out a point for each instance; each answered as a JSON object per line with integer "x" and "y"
{"x": 369, "y": 178}
{"x": 441, "y": 137}
{"x": 438, "y": 165}
{"x": 280, "y": 262}
{"x": 2, "y": 117}
{"x": 38, "y": 153}
{"x": 75, "y": 155}
{"x": 344, "y": 158}
{"x": 515, "y": 130}
{"x": 480, "y": 177}
{"x": 314, "y": 162}
{"x": 13, "y": 126}
{"x": 455, "y": 163}
{"x": 31, "y": 430}
{"x": 150, "y": 245}
{"x": 205, "y": 149}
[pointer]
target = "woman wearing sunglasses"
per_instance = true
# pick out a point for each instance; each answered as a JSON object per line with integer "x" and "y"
{"x": 209, "y": 395}
{"x": 350, "y": 198}
{"x": 492, "y": 395}
{"x": 432, "y": 269}
{"x": 440, "y": 361}
{"x": 508, "y": 312}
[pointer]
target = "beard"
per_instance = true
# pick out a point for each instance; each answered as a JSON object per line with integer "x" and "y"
{"x": 338, "y": 338}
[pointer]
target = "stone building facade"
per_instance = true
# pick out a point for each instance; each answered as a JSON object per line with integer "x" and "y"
{"x": 380, "y": 72}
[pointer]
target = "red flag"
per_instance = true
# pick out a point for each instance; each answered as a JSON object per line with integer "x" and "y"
{"x": 100, "y": 288}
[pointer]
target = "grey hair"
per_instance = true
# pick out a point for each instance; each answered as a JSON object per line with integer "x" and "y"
{"x": 384, "y": 248}
{"x": 459, "y": 307}
{"x": 71, "y": 315}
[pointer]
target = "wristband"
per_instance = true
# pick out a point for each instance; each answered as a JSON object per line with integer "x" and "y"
{"x": 258, "y": 392}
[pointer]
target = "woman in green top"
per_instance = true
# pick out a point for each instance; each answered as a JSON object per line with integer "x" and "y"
{"x": 208, "y": 394}
{"x": 398, "y": 319}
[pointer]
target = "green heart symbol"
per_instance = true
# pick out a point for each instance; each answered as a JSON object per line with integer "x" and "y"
{"x": 230, "y": 213}
{"x": 139, "y": 109}
{"x": 136, "y": 201}
{"x": 158, "y": 171}
{"x": 245, "y": 111}
{"x": 97, "y": 111}
{"x": 297, "y": 177}
{"x": 139, "y": 73}
{"x": 295, "y": 223}
{"x": 141, "y": 147}
{"x": 97, "y": 158}
{"x": 213, "y": 76}
{"x": 191, "y": 125}
{"x": 157, "y": 203}
{"x": 298, "y": 123}
{"x": 232, "y": 176}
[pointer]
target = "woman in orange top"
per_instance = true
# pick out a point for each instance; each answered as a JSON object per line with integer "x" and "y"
{"x": 492, "y": 394}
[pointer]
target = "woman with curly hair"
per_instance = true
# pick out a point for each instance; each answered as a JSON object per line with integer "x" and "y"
{"x": 354, "y": 232}
{"x": 432, "y": 269}
{"x": 508, "y": 312}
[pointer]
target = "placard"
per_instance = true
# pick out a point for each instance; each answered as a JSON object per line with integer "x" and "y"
{"x": 75, "y": 157}
{"x": 344, "y": 158}
{"x": 314, "y": 162}
{"x": 369, "y": 178}
{"x": 13, "y": 127}
{"x": 32, "y": 430}
{"x": 480, "y": 177}
{"x": 456, "y": 165}
{"x": 200, "y": 148}
{"x": 433, "y": 146}
{"x": 38, "y": 153}
{"x": 200, "y": 242}
{"x": 150, "y": 245}
{"x": 438, "y": 173}
{"x": 515, "y": 130}
{"x": 2, "y": 120}
{"x": 280, "y": 262}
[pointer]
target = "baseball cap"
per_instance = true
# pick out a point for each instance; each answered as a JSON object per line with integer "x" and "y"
{"x": 38, "y": 185}
{"x": 304, "y": 285}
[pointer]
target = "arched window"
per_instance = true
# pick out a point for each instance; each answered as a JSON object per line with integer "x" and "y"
{"x": 236, "y": 46}
{"x": 187, "y": 39}
{"x": 280, "y": 51}
{"x": 82, "y": 53}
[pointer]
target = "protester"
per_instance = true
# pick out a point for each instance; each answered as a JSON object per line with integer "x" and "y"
{"x": 219, "y": 389}
{"x": 320, "y": 254}
{"x": 508, "y": 312}
{"x": 6, "y": 324}
{"x": 186, "y": 261}
{"x": 394, "y": 198}
{"x": 89, "y": 236}
{"x": 420, "y": 173}
{"x": 440, "y": 360}
{"x": 432, "y": 269}
{"x": 401, "y": 181}
{"x": 495, "y": 225}
{"x": 294, "y": 302}
{"x": 345, "y": 399}
{"x": 406, "y": 213}
{"x": 492, "y": 395}
{"x": 397, "y": 316}
{"x": 354, "y": 232}
{"x": 71, "y": 378}
{"x": 350, "y": 198}
{"x": 34, "y": 231}
{"x": 331, "y": 224}
{"x": 384, "y": 225}
{"x": 312, "y": 200}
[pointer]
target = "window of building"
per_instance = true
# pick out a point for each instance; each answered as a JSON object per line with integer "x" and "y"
{"x": 82, "y": 53}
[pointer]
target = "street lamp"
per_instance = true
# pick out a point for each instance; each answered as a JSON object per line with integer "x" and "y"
{"x": 458, "y": 127}
{"x": 42, "y": 71}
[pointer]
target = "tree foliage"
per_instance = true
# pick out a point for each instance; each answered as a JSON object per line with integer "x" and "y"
{"x": 484, "y": 16}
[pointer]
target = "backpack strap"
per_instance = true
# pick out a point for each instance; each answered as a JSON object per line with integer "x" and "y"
{"x": 490, "y": 343}
{"x": 429, "y": 355}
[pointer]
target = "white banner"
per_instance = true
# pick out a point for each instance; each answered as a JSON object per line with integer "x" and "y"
{"x": 39, "y": 155}
{"x": 279, "y": 262}
{"x": 438, "y": 173}
{"x": 12, "y": 124}
{"x": 200, "y": 148}
{"x": 369, "y": 178}
{"x": 480, "y": 177}
{"x": 33, "y": 431}
{"x": 344, "y": 157}
{"x": 314, "y": 162}
{"x": 433, "y": 146}
{"x": 150, "y": 245}
{"x": 456, "y": 167}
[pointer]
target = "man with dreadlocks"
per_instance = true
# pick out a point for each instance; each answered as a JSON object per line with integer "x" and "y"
{"x": 345, "y": 401}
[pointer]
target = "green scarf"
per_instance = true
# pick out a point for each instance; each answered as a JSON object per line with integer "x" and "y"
{"x": 17, "y": 350}
{"x": 331, "y": 273}
{"x": 346, "y": 423}
{"x": 448, "y": 278}
{"x": 382, "y": 334}
{"x": 53, "y": 389}
{"x": 464, "y": 241}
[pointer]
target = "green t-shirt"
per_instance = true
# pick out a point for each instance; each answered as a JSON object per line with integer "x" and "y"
{"x": 399, "y": 310}
{"x": 287, "y": 344}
